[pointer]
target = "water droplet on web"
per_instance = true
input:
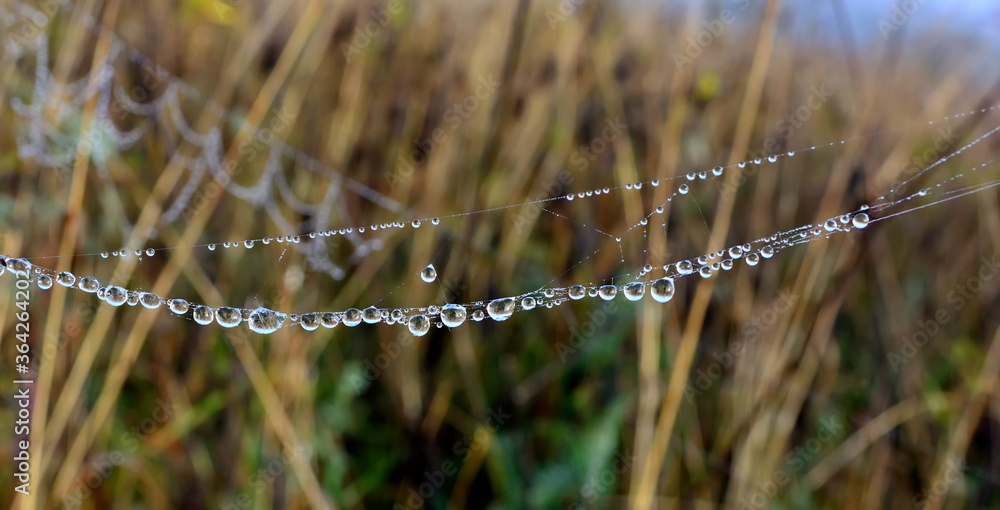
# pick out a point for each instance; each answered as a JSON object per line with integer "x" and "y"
{"x": 753, "y": 259}
{"x": 577, "y": 292}
{"x": 228, "y": 317}
{"x": 727, "y": 264}
{"x": 150, "y": 252}
{"x": 454, "y": 315}
{"x": 226, "y": 244}
{"x": 717, "y": 171}
{"x": 860, "y": 220}
{"x": 647, "y": 268}
{"x": 637, "y": 185}
{"x": 659, "y": 209}
{"x": 742, "y": 164}
{"x": 702, "y": 260}
{"x": 248, "y": 244}
{"x": 756, "y": 161}
{"x": 178, "y": 306}
{"x": 115, "y": 295}
{"x": 138, "y": 253}
{"x": 104, "y": 255}
{"x": 746, "y": 247}
{"x": 607, "y": 190}
{"x": 767, "y": 252}
{"x": 309, "y": 322}
{"x": 570, "y": 197}
{"x": 528, "y": 303}
{"x": 702, "y": 175}
{"x": 329, "y": 320}
{"x": 88, "y": 284}
{"x": 685, "y": 267}
{"x": 864, "y": 207}
{"x": 634, "y": 291}
{"x": 100, "y": 293}
{"x": 66, "y": 279}
{"x": 416, "y": 223}
{"x": 429, "y": 273}
{"x": 654, "y": 183}
{"x": 772, "y": 158}
{"x": 478, "y": 315}
{"x": 419, "y": 325}
{"x": 791, "y": 153}
{"x": 266, "y": 240}
{"x": 203, "y": 315}
{"x": 705, "y": 271}
{"x": 716, "y": 266}
{"x": 683, "y": 189}
{"x": 265, "y": 321}
{"x": 149, "y": 301}
{"x": 607, "y": 292}
{"x": 736, "y": 252}
{"x": 44, "y": 282}
{"x": 549, "y": 293}
{"x": 643, "y": 221}
{"x": 133, "y": 299}
{"x": 692, "y": 176}
{"x": 662, "y": 290}
{"x": 830, "y": 225}
{"x": 435, "y": 221}
{"x": 371, "y": 315}
{"x": 19, "y": 267}
{"x": 211, "y": 247}
{"x": 500, "y": 309}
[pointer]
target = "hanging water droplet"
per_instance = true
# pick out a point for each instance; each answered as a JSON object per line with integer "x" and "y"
{"x": 150, "y": 301}
{"x": 702, "y": 175}
{"x": 659, "y": 209}
{"x": 647, "y": 268}
{"x": 577, "y": 292}
{"x": 211, "y": 247}
{"x": 100, "y": 293}
{"x": 637, "y": 185}
{"x": 114, "y": 253}
{"x": 429, "y": 273}
{"x": 228, "y": 317}
{"x": 592, "y": 292}
{"x": 742, "y": 164}
{"x": 772, "y": 158}
{"x": 692, "y": 176}
{"x": 478, "y": 315}
{"x": 150, "y": 252}
{"x": 248, "y": 244}
{"x": 264, "y": 321}
{"x": 500, "y": 309}
{"x": 634, "y": 291}
{"x": 727, "y": 264}
{"x": 717, "y": 171}
{"x": 756, "y": 161}
{"x": 528, "y": 303}
{"x": 746, "y": 247}
{"x": 716, "y": 266}
{"x": 419, "y": 325}
{"x": 416, "y": 223}
{"x": 736, "y": 252}
{"x": 178, "y": 306}
{"x": 309, "y": 322}
{"x": 435, "y": 221}
{"x": 453, "y": 315}
{"x": 44, "y": 282}
{"x": 226, "y": 244}
{"x": 702, "y": 260}
{"x": 791, "y": 153}
{"x": 864, "y": 207}
{"x": 830, "y": 225}
{"x": 133, "y": 298}
{"x": 767, "y": 252}
{"x": 203, "y": 315}
{"x": 570, "y": 197}
{"x": 19, "y": 267}
{"x": 705, "y": 271}
{"x": 104, "y": 255}
{"x": 370, "y": 315}
{"x": 752, "y": 259}
{"x": 685, "y": 267}
{"x": 115, "y": 295}
{"x": 860, "y": 220}
{"x": 607, "y": 190}
{"x": 66, "y": 279}
{"x": 683, "y": 189}
{"x": 654, "y": 183}
{"x": 88, "y": 284}
{"x": 138, "y": 253}
{"x": 643, "y": 221}
{"x": 549, "y": 293}
{"x": 607, "y": 292}
{"x": 266, "y": 240}
{"x": 329, "y": 320}
{"x": 662, "y": 290}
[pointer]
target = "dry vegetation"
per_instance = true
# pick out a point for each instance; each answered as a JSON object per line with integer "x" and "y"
{"x": 535, "y": 411}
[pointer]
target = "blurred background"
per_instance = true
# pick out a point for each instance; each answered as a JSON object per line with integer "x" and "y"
{"x": 858, "y": 371}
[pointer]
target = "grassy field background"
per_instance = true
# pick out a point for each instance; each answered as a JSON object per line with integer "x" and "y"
{"x": 792, "y": 384}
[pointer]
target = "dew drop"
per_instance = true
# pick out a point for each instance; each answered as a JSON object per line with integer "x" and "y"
{"x": 746, "y": 247}
{"x": 309, "y": 322}
{"x": 570, "y": 197}
{"x": 756, "y": 161}
{"x": 478, "y": 315}
{"x": 860, "y": 220}
{"x": 742, "y": 164}
{"x": 830, "y": 225}
{"x": 100, "y": 293}
{"x": 791, "y": 153}
{"x": 647, "y": 268}
{"x": 435, "y": 221}
{"x": 371, "y": 315}
{"x": 634, "y": 291}
{"x": 736, "y": 252}
{"x": 767, "y": 252}
{"x": 702, "y": 175}
{"x": 683, "y": 189}
{"x": 266, "y": 240}
{"x": 104, "y": 255}
{"x": 607, "y": 292}
{"x": 592, "y": 292}
{"x": 133, "y": 299}
{"x": 501, "y": 309}
{"x": 717, "y": 171}
{"x": 772, "y": 158}
{"x": 88, "y": 284}
{"x": 529, "y": 303}
{"x": 752, "y": 259}
{"x": 149, "y": 301}
{"x": 66, "y": 279}
{"x": 115, "y": 295}
{"x": 226, "y": 244}
{"x": 727, "y": 264}
{"x": 685, "y": 267}
{"x": 228, "y": 317}
{"x": 429, "y": 273}
{"x": 549, "y": 293}
{"x": 705, "y": 271}
{"x": 454, "y": 315}
{"x": 19, "y": 267}
{"x": 577, "y": 292}
{"x": 138, "y": 253}
{"x": 178, "y": 306}
{"x": 203, "y": 315}
{"x": 654, "y": 183}
{"x": 416, "y": 223}
{"x": 419, "y": 325}
{"x": 211, "y": 247}
{"x": 329, "y": 320}
{"x": 662, "y": 290}
{"x": 150, "y": 252}
{"x": 44, "y": 282}
{"x": 702, "y": 260}
{"x": 248, "y": 244}
{"x": 264, "y": 321}
{"x": 692, "y": 176}
{"x": 716, "y": 266}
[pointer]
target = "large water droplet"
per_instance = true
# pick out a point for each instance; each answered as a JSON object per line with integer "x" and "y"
{"x": 178, "y": 306}
{"x": 634, "y": 291}
{"x": 150, "y": 301}
{"x": 662, "y": 290}
{"x": 683, "y": 189}
{"x": 705, "y": 271}
{"x": 607, "y": 292}
{"x": 726, "y": 264}
{"x": 265, "y": 321}
{"x": 228, "y": 317}
{"x": 717, "y": 171}
{"x": 685, "y": 267}
{"x": 115, "y": 295}
{"x": 419, "y": 325}
{"x": 528, "y": 303}
{"x": 736, "y": 252}
{"x": 577, "y": 292}
{"x": 501, "y": 309}
{"x": 44, "y": 281}
{"x": 19, "y": 267}
{"x": 371, "y": 315}
{"x": 66, "y": 279}
{"x": 830, "y": 225}
{"x": 88, "y": 284}
{"x": 453, "y": 315}
{"x": 429, "y": 273}
{"x": 860, "y": 220}
{"x": 767, "y": 252}
{"x": 329, "y": 320}
{"x": 309, "y": 322}
{"x": 752, "y": 259}
{"x": 352, "y": 317}
{"x": 203, "y": 315}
